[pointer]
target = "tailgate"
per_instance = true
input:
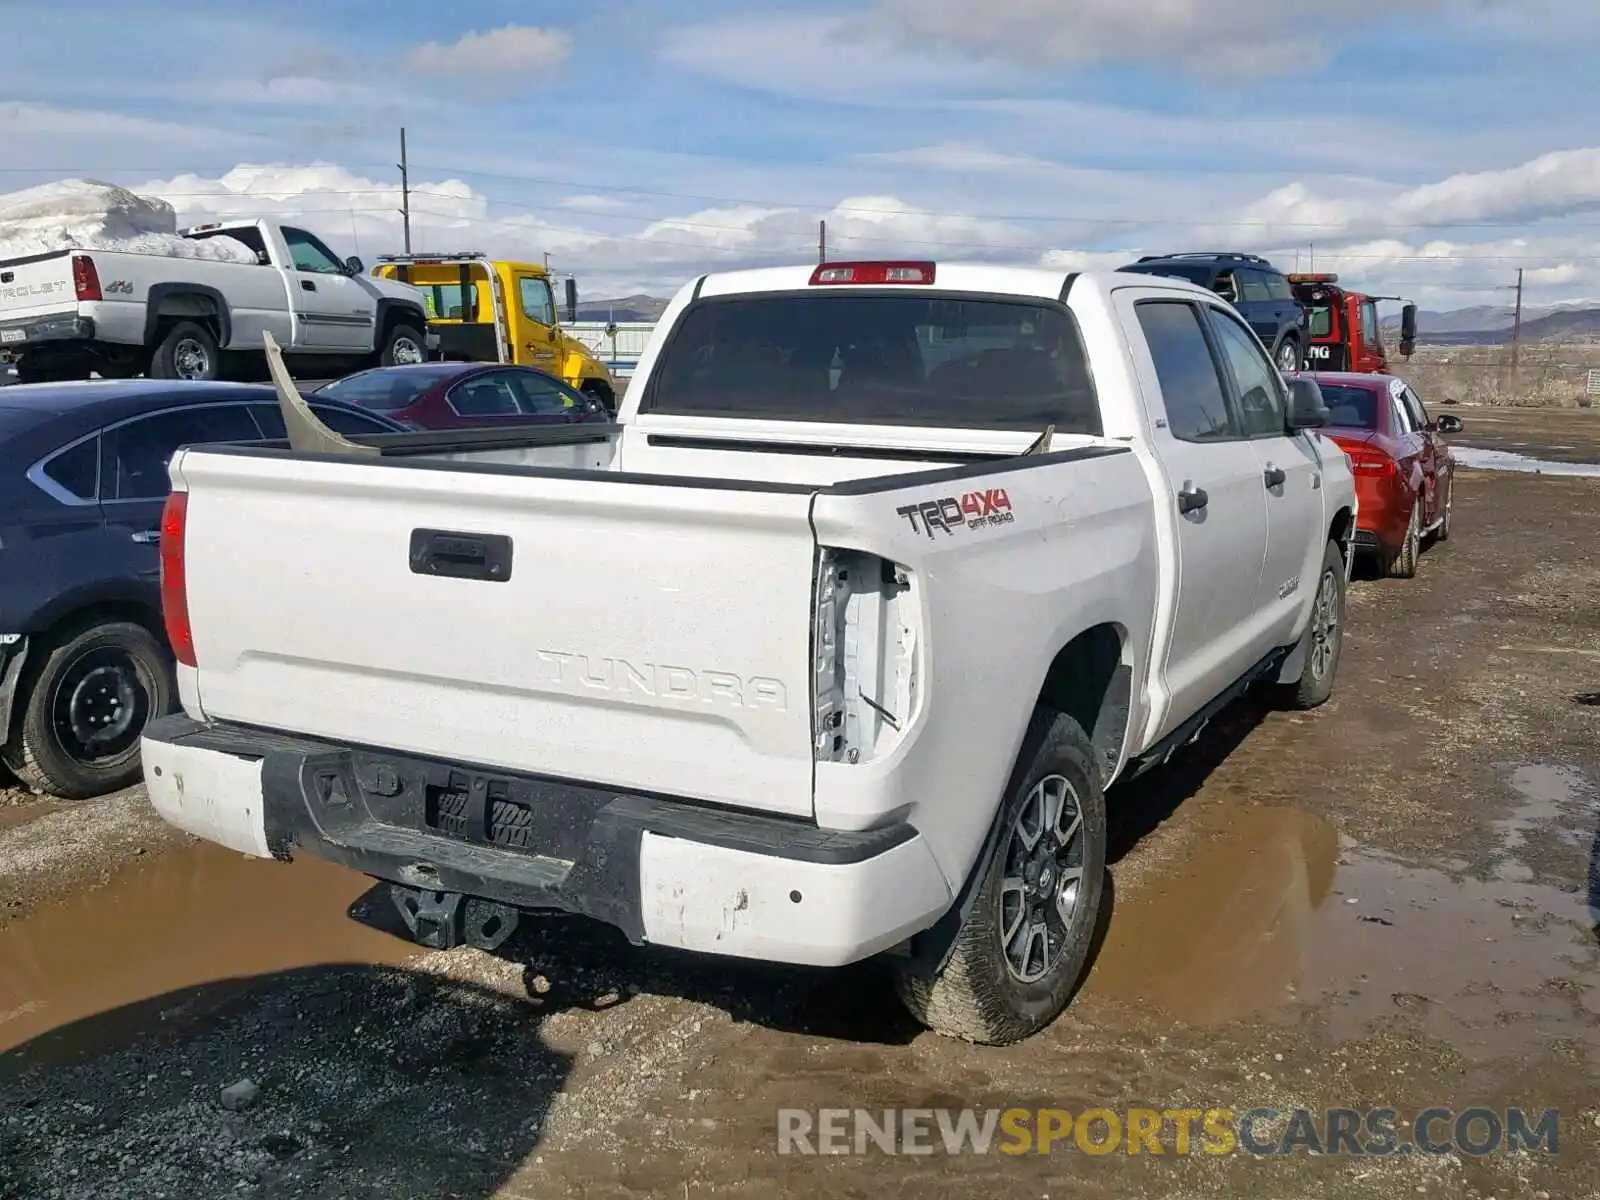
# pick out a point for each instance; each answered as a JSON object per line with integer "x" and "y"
{"x": 646, "y": 636}
{"x": 36, "y": 286}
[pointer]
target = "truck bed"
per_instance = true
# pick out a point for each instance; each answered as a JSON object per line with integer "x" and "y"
{"x": 517, "y": 601}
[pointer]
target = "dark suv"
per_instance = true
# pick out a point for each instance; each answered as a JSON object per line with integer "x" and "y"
{"x": 1253, "y": 286}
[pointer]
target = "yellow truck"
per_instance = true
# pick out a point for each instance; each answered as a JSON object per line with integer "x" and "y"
{"x": 492, "y": 310}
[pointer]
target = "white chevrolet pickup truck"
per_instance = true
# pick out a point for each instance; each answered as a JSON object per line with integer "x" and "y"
{"x": 829, "y": 648}
{"x": 71, "y": 312}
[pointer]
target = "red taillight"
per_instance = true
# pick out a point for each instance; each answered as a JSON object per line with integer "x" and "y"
{"x": 1370, "y": 464}
{"x": 873, "y": 272}
{"x": 85, "y": 279}
{"x": 174, "y": 586}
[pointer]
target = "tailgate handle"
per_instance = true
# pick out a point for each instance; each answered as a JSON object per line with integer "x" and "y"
{"x": 456, "y": 555}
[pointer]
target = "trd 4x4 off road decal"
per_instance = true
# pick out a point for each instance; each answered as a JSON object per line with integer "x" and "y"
{"x": 974, "y": 510}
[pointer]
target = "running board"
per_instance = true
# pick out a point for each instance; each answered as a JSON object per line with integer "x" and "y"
{"x": 1190, "y": 731}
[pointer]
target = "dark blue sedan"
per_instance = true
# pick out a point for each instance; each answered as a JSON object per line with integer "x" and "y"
{"x": 84, "y": 661}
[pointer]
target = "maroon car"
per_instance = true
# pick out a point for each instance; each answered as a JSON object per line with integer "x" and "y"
{"x": 455, "y": 395}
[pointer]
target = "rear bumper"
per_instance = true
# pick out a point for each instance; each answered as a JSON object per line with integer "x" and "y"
{"x": 665, "y": 872}
{"x": 65, "y": 327}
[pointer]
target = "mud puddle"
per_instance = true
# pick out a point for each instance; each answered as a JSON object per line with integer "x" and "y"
{"x": 1276, "y": 916}
{"x": 198, "y": 915}
{"x": 1508, "y": 460}
{"x": 12, "y": 815}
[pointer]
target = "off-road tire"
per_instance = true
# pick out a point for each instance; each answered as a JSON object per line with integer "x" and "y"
{"x": 400, "y": 333}
{"x": 176, "y": 342}
{"x": 1403, "y": 565}
{"x": 34, "y": 751}
{"x": 1318, "y": 670}
{"x": 975, "y": 996}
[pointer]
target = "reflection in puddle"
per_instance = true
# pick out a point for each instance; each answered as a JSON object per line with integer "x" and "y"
{"x": 1506, "y": 460}
{"x": 1272, "y": 910}
{"x": 196, "y": 915}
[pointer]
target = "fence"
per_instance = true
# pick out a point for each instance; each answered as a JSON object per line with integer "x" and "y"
{"x": 620, "y": 351}
{"x": 1542, "y": 375}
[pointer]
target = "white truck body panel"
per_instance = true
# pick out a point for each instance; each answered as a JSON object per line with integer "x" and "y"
{"x": 661, "y": 633}
{"x": 308, "y": 311}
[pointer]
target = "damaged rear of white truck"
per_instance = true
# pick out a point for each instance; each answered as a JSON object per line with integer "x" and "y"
{"x": 830, "y": 648}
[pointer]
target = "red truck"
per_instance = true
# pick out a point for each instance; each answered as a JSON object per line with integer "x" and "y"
{"x": 1343, "y": 326}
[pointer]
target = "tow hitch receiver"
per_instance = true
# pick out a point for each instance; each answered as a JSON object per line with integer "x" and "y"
{"x": 445, "y": 920}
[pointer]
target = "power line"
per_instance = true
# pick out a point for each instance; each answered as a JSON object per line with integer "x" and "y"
{"x": 1335, "y": 228}
{"x": 1327, "y": 256}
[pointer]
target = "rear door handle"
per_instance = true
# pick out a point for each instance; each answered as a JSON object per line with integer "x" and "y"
{"x": 1276, "y": 477}
{"x": 147, "y": 537}
{"x": 307, "y": 286}
{"x": 1192, "y": 499}
{"x": 455, "y": 555}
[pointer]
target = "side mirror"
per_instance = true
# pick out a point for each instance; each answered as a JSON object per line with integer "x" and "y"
{"x": 354, "y": 266}
{"x": 611, "y": 329}
{"x": 1408, "y": 330}
{"x": 1448, "y": 424}
{"x": 1307, "y": 409}
{"x": 572, "y": 301}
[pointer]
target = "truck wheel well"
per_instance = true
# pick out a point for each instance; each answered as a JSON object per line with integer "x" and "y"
{"x": 1342, "y": 531}
{"x": 181, "y": 302}
{"x": 1089, "y": 682}
{"x": 598, "y": 388}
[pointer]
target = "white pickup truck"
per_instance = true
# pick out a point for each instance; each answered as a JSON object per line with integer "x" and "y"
{"x": 829, "y": 648}
{"x": 71, "y": 312}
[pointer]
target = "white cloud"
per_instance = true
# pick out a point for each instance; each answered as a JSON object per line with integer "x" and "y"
{"x": 1550, "y": 187}
{"x": 503, "y": 51}
{"x": 46, "y": 121}
{"x": 822, "y": 56}
{"x": 1211, "y": 37}
{"x": 591, "y": 203}
{"x": 617, "y": 253}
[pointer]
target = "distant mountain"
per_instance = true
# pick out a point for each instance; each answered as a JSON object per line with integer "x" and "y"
{"x": 1491, "y": 326}
{"x": 628, "y": 308}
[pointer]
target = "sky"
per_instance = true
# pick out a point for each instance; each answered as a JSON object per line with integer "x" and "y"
{"x": 1428, "y": 149}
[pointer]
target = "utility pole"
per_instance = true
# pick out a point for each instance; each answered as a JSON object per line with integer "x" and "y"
{"x": 822, "y": 242}
{"x": 405, "y": 189}
{"x": 1516, "y": 325}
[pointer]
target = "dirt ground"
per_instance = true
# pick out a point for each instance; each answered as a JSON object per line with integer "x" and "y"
{"x": 1389, "y": 903}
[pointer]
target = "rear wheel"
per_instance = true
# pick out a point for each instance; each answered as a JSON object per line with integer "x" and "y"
{"x": 1404, "y": 564}
{"x": 87, "y": 699}
{"x": 187, "y": 351}
{"x": 1022, "y": 949}
{"x": 1322, "y": 644}
{"x": 1288, "y": 355}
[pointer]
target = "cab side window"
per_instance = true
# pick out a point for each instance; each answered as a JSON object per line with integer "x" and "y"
{"x": 537, "y": 302}
{"x": 1192, "y": 389}
{"x": 1263, "y": 410}
{"x": 309, "y": 254}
